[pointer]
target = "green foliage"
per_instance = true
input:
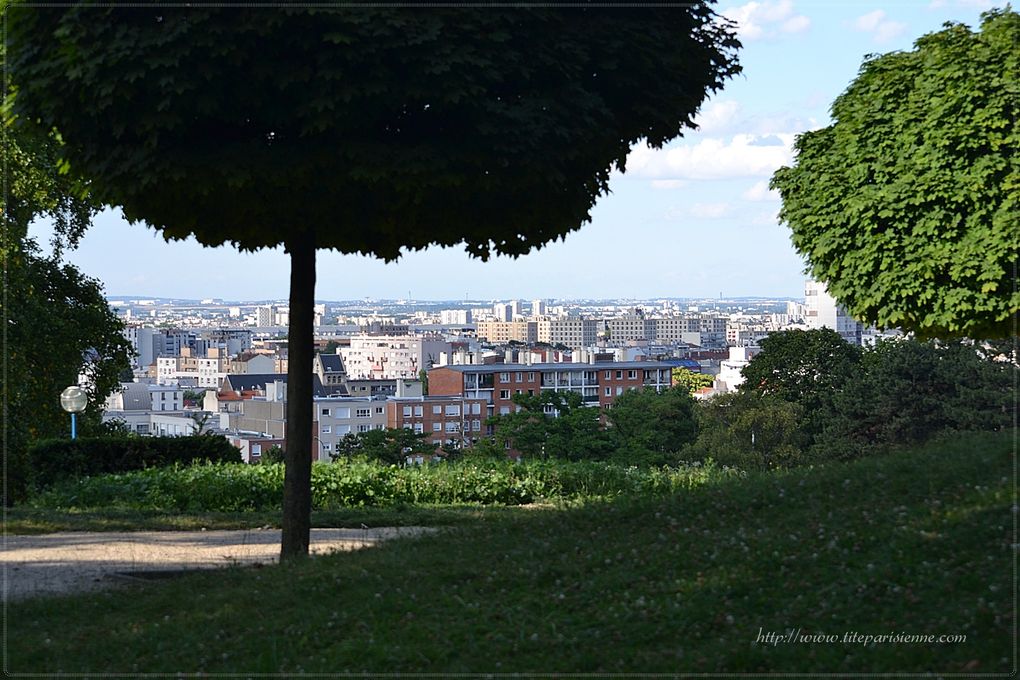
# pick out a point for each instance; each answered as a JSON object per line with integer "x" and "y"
{"x": 690, "y": 380}
{"x": 272, "y": 455}
{"x": 650, "y": 427}
{"x": 908, "y": 392}
{"x": 225, "y": 487}
{"x": 58, "y": 325}
{"x": 802, "y": 367}
{"x": 493, "y": 127}
{"x": 749, "y": 431}
{"x": 906, "y": 206}
{"x": 391, "y": 446}
{"x": 54, "y": 460}
{"x": 573, "y": 433}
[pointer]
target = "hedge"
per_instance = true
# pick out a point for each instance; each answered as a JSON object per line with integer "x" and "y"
{"x": 54, "y": 460}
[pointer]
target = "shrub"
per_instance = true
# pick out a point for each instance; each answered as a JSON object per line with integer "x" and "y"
{"x": 53, "y": 460}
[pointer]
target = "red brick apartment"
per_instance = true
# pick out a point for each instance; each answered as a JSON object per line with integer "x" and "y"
{"x": 446, "y": 419}
{"x": 598, "y": 383}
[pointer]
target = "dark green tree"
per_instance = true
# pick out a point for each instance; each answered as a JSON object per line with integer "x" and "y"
{"x": 553, "y": 425}
{"x": 802, "y": 367}
{"x": 650, "y": 427}
{"x": 908, "y": 391}
{"x": 57, "y": 325}
{"x": 391, "y": 446}
{"x": 749, "y": 430}
{"x": 906, "y": 206}
{"x": 366, "y": 130}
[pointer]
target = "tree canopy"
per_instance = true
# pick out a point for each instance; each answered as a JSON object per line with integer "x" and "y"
{"x": 906, "y": 206}
{"x": 375, "y": 128}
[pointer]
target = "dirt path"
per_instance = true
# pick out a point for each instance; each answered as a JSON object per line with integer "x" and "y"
{"x": 70, "y": 562}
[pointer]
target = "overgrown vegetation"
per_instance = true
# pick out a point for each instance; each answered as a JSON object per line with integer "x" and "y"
{"x": 344, "y": 484}
{"x": 681, "y": 583}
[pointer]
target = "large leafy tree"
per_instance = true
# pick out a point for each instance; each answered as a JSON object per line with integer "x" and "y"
{"x": 552, "y": 425}
{"x": 366, "y": 130}
{"x": 652, "y": 427}
{"x": 801, "y": 367}
{"x": 57, "y": 325}
{"x": 906, "y": 205}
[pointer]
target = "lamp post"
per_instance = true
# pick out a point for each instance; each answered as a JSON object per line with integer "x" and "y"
{"x": 73, "y": 400}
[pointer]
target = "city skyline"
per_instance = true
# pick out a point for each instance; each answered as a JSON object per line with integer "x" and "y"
{"x": 693, "y": 220}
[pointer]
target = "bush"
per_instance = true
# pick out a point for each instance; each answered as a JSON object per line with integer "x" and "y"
{"x": 54, "y": 460}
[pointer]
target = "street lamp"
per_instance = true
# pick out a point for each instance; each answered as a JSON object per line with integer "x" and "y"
{"x": 74, "y": 399}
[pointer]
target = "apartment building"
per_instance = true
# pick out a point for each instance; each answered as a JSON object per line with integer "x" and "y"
{"x": 330, "y": 369}
{"x": 597, "y": 384}
{"x": 630, "y": 327}
{"x": 451, "y": 420}
{"x": 336, "y": 417}
{"x": 572, "y": 332}
{"x": 822, "y": 311}
{"x": 391, "y": 356}
{"x": 501, "y": 332}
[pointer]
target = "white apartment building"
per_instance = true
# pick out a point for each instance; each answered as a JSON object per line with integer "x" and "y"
{"x": 339, "y": 416}
{"x": 455, "y": 317}
{"x": 391, "y": 356}
{"x": 731, "y": 370}
{"x": 822, "y": 311}
{"x": 538, "y": 308}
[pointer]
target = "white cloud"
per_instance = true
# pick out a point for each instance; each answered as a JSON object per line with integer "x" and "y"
{"x": 668, "y": 183}
{"x": 710, "y": 210}
{"x": 743, "y": 155}
{"x": 765, "y": 19}
{"x": 882, "y": 29}
{"x": 716, "y": 116}
{"x": 760, "y": 192}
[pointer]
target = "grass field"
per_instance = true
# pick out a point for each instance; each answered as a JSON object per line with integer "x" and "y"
{"x": 921, "y": 543}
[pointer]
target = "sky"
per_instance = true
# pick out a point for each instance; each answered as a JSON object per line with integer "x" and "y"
{"x": 694, "y": 219}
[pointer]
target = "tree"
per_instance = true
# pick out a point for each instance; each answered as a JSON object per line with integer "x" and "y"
{"x": 367, "y": 130}
{"x": 391, "y": 446}
{"x": 908, "y": 391}
{"x": 906, "y": 206}
{"x": 652, "y": 427}
{"x": 57, "y": 324}
{"x": 749, "y": 430}
{"x": 802, "y": 367}
{"x": 553, "y": 425}
{"x": 690, "y": 380}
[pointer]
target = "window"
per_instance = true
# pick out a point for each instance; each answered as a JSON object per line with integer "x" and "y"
{"x": 380, "y": 409}
{"x": 418, "y": 428}
{"x": 326, "y": 429}
{"x": 452, "y": 426}
{"x": 364, "y": 428}
{"x": 437, "y": 410}
{"x": 417, "y": 411}
{"x": 453, "y": 410}
{"x": 342, "y": 429}
{"x": 531, "y": 377}
{"x": 504, "y": 410}
{"x": 437, "y": 427}
{"x": 518, "y": 377}
{"x": 325, "y": 446}
{"x": 619, "y": 375}
{"x": 631, "y": 374}
{"x": 476, "y": 409}
{"x": 504, "y": 377}
{"x": 531, "y": 393}
{"x": 619, "y": 391}
{"x": 609, "y": 391}
{"x": 609, "y": 375}
{"x": 504, "y": 394}
{"x": 363, "y": 413}
{"x": 407, "y": 411}
{"x": 325, "y": 411}
{"x": 342, "y": 413}
{"x": 476, "y": 425}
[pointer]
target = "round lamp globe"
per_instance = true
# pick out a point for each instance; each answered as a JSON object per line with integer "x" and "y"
{"x": 73, "y": 399}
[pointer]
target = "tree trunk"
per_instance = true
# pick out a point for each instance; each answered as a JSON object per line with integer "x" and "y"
{"x": 297, "y": 481}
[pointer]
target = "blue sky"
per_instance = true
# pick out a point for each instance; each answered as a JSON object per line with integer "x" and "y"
{"x": 694, "y": 219}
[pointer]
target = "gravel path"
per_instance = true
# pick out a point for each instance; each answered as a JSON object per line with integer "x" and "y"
{"x": 50, "y": 564}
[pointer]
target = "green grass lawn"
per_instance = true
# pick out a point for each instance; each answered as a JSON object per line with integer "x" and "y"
{"x": 918, "y": 543}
